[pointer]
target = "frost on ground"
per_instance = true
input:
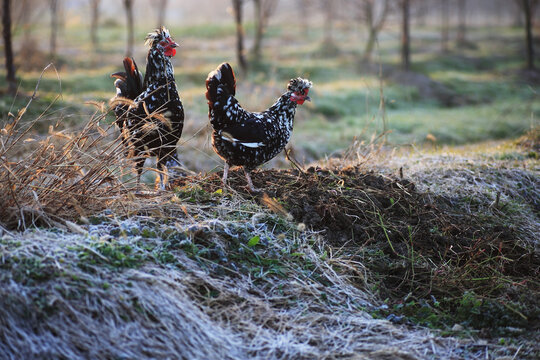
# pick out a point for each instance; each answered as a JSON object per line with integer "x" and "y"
{"x": 115, "y": 294}
{"x": 331, "y": 262}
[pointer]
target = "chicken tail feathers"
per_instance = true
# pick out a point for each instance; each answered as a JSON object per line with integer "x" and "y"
{"x": 129, "y": 83}
{"x": 222, "y": 78}
{"x": 134, "y": 78}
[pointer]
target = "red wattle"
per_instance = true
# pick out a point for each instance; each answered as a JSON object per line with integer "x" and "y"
{"x": 170, "y": 51}
{"x": 299, "y": 99}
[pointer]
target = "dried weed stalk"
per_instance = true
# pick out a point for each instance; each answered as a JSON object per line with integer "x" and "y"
{"x": 62, "y": 176}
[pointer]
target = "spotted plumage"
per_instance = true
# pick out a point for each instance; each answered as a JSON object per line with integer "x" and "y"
{"x": 149, "y": 112}
{"x": 249, "y": 139}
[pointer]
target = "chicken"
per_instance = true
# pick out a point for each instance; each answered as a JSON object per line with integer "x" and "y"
{"x": 249, "y": 139}
{"x": 149, "y": 112}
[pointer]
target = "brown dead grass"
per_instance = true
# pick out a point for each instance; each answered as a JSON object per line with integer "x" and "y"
{"x": 531, "y": 141}
{"x": 46, "y": 180}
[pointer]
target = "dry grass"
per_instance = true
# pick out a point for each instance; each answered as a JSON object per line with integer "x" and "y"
{"x": 531, "y": 141}
{"x": 496, "y": 179}
{"x": 66, "y": 177}
{"x": 60, "y": 176}
{"x": 203, "y": 273}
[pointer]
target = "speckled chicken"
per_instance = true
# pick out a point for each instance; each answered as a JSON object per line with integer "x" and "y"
{"x": 149, "y": 112}
{"x": 249, "y": 139}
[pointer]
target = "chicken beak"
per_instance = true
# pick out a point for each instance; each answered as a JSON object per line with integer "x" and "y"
{"x": 307, "y": 98}
{"x": 173, "y": 44}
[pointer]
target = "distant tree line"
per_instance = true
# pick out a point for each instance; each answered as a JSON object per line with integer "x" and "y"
{"x": 371, "y": 14}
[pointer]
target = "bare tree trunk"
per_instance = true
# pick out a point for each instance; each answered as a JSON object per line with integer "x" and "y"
{"x": 368, "y": 15}
{"x": 518, "y": 15}
{"x": 94, "y": 22}
{"x": 405, "y": 36}
{"x": 54, "y": 27}
{"x": 528, "y": 9}
{"x": 162, "y": 7}
{"x": 374, "y": 24}
{"x": 25, "y": 19}
{"x": 259, "y": 29}
{"x": 445, "y": 21}
{"x": 8, "y": 49}
{"x": 237, "y": 8}
{"x": 421, "y": 13}
{"x": 462, "y": 26}
{"x": 370, "y": 44}
{"x": 128, "y": 5}
{"x": 263, "y": 11}
{"x": 329, "y": 10}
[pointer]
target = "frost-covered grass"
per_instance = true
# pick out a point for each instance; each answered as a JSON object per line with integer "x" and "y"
{"x": 151, "y": 295}
{"x": 91, "y": 267}
{"x": 201, "y": 273}
{"x": 216, "y": 275}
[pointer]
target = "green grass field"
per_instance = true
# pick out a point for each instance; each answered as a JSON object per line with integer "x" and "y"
{"x": 493, "y": 101}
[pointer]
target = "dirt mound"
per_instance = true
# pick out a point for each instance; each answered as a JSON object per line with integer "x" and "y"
{"x": 347, "y": 204}
{"x": 416, "y": 240}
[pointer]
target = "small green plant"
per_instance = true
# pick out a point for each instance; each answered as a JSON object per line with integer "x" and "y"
{"x": 254, "y": 241}
{"x": 111, "y": 253}
{"x": 195, "y": 194}
{"x": 33, "y": 269}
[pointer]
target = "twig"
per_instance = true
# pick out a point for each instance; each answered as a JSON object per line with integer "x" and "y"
{"x": 293, "y": 161}
{"x": 39, "y": 80}
{"x": 517, "y": 352}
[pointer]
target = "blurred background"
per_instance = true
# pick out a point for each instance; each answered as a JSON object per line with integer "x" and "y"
{"x": 412, "y": 73}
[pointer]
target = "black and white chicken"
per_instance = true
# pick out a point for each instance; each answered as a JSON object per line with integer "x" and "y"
{"x": 149, "y": 112}
{"x": 249, "y": 139}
